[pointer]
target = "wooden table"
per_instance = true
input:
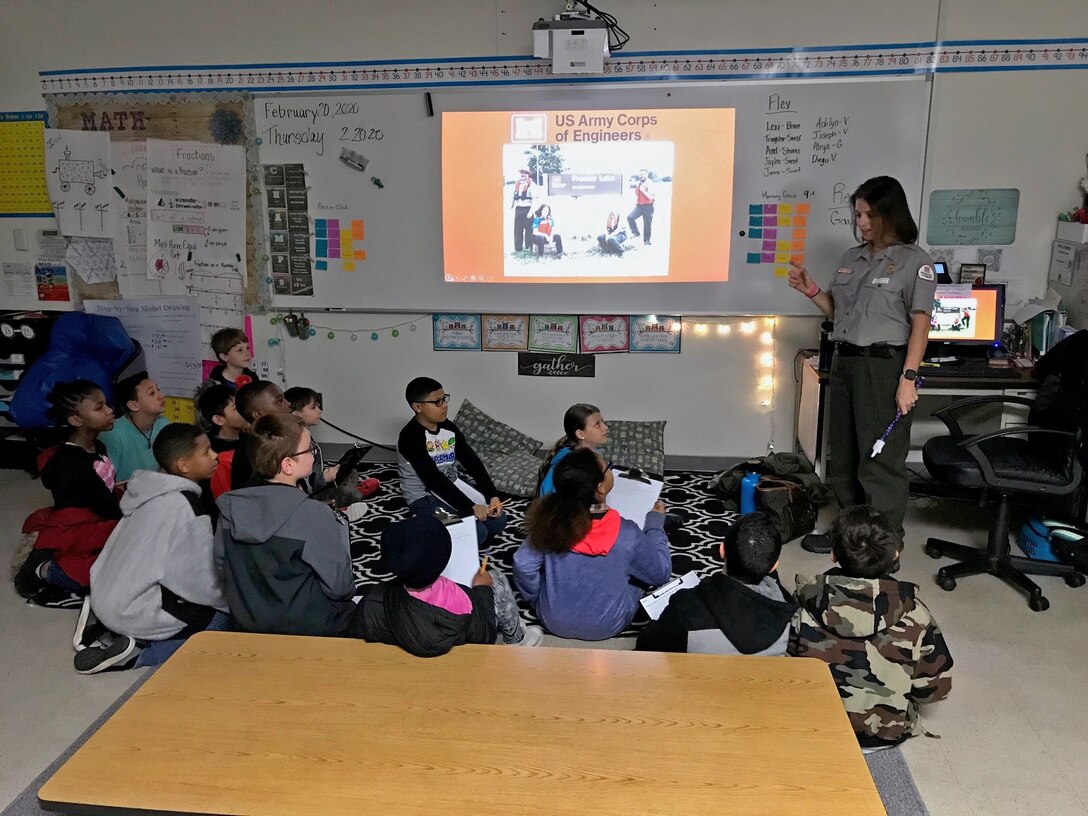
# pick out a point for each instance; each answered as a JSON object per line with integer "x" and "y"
{"x": 257, "y": 724}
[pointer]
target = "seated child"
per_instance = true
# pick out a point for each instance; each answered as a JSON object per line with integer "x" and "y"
{"x": 231, "y": 349}
{"x": 226, "y": 431}
{"x": 583, "y": 427}
{"x": 322, "y": 483}
{"x": 431, "y": 450}
{"x": 285, "y": 558}
{"x": 885, "y": 651}
{"x": 82, "y": 479}
{"x": 155, "y": 582}
{"x": 741, "y": 610}
{"x": 253, "y": 401}
{"x": 129, "y": 442}
{"x": 577, "y": 565}
{"x": 426, "y": 614}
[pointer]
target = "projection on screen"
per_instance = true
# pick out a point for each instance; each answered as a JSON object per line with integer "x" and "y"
{"x": 587, "y": 196}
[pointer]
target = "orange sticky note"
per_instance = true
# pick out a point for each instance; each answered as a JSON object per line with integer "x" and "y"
{"x": 781, "y": 271}
{"x": 357, "y": 229}
{"x": 785, "y": 209}
{"x": 349, "y": 266}
{"x": 800, "y": 220}
{"x": 797, "y": 246}
{"x": 799, "y": 233}
{"x": 802, "y": 208}
{"x": 785, "y": 221}
{"x": 797, "y": 259}
{"x": 360, "y": 254}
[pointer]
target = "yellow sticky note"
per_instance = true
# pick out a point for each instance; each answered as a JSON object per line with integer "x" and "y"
{"x": 180, "y": 409}
{"x": 785, "y": 209}
{"x": 360, "y": 254}
{"x": 783, "y": 246}
{"x": 349, "y": 266}
{"x": 782, "y": 258}
{"x": 345, "y": 236}
{"x": 781, "y": 271}
{"x": 785, "y": 221}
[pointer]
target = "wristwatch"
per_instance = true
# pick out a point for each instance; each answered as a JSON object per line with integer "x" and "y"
{"x": 910, "y": 374}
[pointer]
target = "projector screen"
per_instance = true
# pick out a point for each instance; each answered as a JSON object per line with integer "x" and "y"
{"x": 587, "y": 196}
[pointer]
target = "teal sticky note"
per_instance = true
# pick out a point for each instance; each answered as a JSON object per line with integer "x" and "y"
{"x": 321, "y": 266}
{"x": 753, "y": 257}
{"x": 755, "y": 209}
{"x": 755, "y": 221}
{"x": 755, "y": 233}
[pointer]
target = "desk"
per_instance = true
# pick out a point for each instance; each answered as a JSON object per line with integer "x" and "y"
{"x": 260, "y": 724}
{"x": 812, "y": 413}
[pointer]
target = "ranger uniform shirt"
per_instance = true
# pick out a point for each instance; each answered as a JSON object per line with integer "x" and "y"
{"x": 875, "y": 297}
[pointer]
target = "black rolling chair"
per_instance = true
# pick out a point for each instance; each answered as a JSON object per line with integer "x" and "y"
{"x": 1017, "y": 463}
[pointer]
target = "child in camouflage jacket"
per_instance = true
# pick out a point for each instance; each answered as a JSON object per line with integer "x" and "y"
{"x": 885, "y": 650}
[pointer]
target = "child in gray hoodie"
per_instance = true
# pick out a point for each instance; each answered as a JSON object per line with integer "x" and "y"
{"x": 155, "y": 582}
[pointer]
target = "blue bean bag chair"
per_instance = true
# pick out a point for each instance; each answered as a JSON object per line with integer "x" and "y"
{"x": 81, "y": 346}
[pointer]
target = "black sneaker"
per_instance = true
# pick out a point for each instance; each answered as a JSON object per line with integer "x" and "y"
{"x": 55, "y": 597}
{"x": 119, "y": 653}
{"x": 88, "y": 627}
{"x": 816, "y": 543}
{"x": 27, "y": 581}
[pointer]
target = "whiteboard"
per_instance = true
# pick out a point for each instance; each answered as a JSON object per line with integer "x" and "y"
{"x": 805, "y": 145}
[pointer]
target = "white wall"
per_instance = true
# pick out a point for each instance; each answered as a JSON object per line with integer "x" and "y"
{"x": 1027, "y": 130}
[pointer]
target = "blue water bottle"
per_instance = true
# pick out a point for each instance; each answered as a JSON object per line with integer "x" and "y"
{"x": 748, "y": 492}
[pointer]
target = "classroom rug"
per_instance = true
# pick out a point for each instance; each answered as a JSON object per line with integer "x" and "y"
{"x": 694, "y": 546}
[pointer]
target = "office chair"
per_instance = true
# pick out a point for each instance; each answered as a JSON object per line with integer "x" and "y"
{"x": 1029, "y": 462}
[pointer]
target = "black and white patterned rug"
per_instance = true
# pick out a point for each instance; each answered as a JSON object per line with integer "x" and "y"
{"x": 694, "y": 546}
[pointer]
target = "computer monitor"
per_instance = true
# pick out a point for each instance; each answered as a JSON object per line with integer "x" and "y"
{"x": 967, "y": 323}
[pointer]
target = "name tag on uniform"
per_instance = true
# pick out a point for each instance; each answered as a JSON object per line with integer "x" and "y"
{"x": 845, "y": 270}
{"x": 881, "y": 281}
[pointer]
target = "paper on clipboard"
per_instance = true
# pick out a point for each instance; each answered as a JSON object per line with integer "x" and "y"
{"x": 634, "y": 498}
{"x": 655, "y": 602}
{"x": 465, "y": 552}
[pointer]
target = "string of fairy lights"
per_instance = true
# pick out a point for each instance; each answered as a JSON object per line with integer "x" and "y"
{"x": 762, "y": 329}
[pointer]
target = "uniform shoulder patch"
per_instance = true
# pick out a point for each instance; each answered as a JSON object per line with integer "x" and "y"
{"x": 926, "y": 273}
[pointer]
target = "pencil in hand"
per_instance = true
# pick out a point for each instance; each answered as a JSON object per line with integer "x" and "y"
{"x": 483, "y": 564}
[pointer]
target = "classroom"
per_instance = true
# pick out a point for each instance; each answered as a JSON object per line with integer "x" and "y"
{"x": 381, "y": 160}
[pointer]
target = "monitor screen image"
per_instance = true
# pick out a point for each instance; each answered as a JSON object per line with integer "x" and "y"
{"x": 587, "y": 196}
{"x": 972, "y": 317}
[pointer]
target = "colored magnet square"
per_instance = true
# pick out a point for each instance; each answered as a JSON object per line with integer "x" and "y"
{"x": 802, "y": 208}
{"x": 360, "y": 254}
{"x": 334, "y": 224}
{"x": 321, "y": 248}
{"x": 782, "y": 246}
{"x": 357, "y": 230}
{"x": 753, "y": 257}
{"x": 781, "y": 271}
{"x": 755, "y": 221}
{"x": 800, "y": 220}
{"x": 770, "y": 233}
{"x": 755, "y": 233}
{"x": 782, "y": 258}
{"x": 349, "y": 266}
{"x": 785, "y": 220}
{"x": 797, "y": 246}
{"x": 770, "y": 221}
{"x": 345, "y": 236}
{"x": 334, "y": 250}
{"x": 785, "y": 209}
{"x": 321, "y": 266}
{"x": 797, "y": 259}
{"x": 799, "y": 233}
{"x": 755, "y": 209}
{"x": 770, "y": 209}
{"x": 319, "y": 226}
{"x": 768, "y": 246}
{"x": 768, "y": 257}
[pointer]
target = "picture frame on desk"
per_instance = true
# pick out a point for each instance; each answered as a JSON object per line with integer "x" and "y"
{"x": 972, "y": 273}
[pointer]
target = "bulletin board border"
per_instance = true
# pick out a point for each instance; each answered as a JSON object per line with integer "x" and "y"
{"x": 763, "y": 64}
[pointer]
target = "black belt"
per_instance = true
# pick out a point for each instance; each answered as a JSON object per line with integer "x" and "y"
{"x": 880, "y": 350}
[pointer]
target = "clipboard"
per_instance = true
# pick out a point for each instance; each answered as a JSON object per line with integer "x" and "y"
{"x": 655, "y": 602}
{"x": 634, "y": 494}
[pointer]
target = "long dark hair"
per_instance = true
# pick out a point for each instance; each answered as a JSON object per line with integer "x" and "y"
{"x": 560, "y": 520}
{"x": 888, "y": 203}
{"x": 574, "y": 420}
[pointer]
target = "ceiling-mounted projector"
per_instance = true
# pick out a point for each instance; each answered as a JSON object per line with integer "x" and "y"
{"x": 575, "y": 45}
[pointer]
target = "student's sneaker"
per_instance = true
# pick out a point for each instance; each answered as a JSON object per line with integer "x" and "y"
{"x": 55, "y": 597}
{"x": 356, "y": 511}
{"x": 368, "y": 487}
{"x": 88, "y": 627}
{"x": 119, "y": 653}
{"x": 27, "y": 581}
{"x": 816, "y": 543}
{"x": 532, "y": 636}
